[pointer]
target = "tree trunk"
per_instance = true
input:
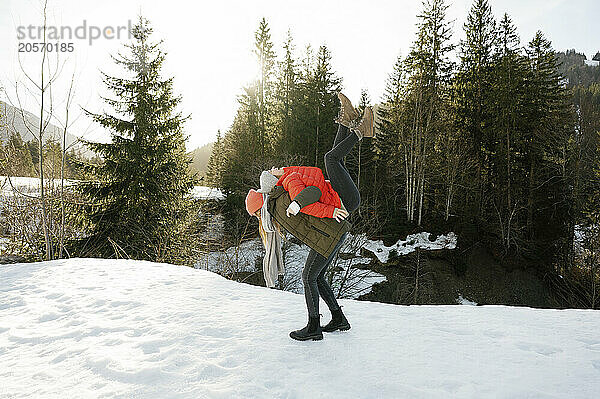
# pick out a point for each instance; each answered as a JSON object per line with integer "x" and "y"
{"x": 41, "y": 150}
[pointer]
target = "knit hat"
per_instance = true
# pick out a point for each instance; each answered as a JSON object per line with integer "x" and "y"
{"x": 254, "y": 201}
{"x": 267, "y": 182}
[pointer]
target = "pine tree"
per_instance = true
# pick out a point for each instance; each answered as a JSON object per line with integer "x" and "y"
{"x": 550, "y": 128}
{"x": 386, "y": 141}
{"x": 361, "y": 159}
{"x": 586, "y": 154}
{"x": 316, "y": 107}
{"x": 16, "y": 159}
{"x": 266, "y": 60}
{"x": 385, "y": 144}
{"x": 303, "y": 142}
{"x": 325, "y": 85}
{"x": 285, "y": 118}
{"x": 473, "y": 92}
{"x": 214, "y": 168}
{"x": 34, "y": 152}
{"x": 428, "y": 68}
{"x": 361, "y": 164}
{"x": 508, "y": 96}
{"x": 137, "y": 195}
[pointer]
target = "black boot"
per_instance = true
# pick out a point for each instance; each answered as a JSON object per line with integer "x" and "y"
{"x": 311, "y": 331}
{"x": 338, "y": 322}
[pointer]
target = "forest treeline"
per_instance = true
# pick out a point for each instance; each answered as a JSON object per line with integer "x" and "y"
{"x": 24, "y": 156}
{"x": 501, "y": 146}
{"x": 21, "y": 158}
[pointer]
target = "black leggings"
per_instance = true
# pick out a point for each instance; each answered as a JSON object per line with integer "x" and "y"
{"x": 313, "y": 274}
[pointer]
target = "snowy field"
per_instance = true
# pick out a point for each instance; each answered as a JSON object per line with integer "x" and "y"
{"x": 31, "y": 185}
{"x": 27, "y": 185}
{"x": 88, "y": 328}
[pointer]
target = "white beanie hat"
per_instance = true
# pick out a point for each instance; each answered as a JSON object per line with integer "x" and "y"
{"x": 267, "y": 182}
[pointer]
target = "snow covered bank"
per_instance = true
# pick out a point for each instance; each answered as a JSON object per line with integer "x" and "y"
{"x": 27, "y": 185}
{"x": 412, "y": 242}
{"x": 205, "y": 193}
{"x": 122, "y": 329}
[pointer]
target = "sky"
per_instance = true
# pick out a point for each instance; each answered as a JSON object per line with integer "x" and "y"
{"x": 209, "y": 46}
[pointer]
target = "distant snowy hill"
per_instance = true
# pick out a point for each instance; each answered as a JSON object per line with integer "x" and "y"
{"x": 84, "y": 328}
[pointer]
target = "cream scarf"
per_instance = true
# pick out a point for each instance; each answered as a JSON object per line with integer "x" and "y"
{"x": 273, "y": 260}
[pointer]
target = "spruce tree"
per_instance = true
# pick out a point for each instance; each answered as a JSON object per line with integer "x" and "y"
{"x": 360, "y": 161}
{"x": 585, "y": 164}
{"x": 473, "y": 93}
{"x": 428, "y": 72}
{"x": 214, "y": 167}
{"x": 586, "y": 154}
{"x": 362, "y": 166}
{"x": 388, "y": 169}
{"x": 305, "y": 106}
{"x": 316, "y": 107}
{"x": 16, "y": 157}
{"x": 325, "y": 85}
{"x": 285, "y": 118}
{"x": 386, "y": 140}
{"x": 137, "y": 196}
{"x": 507, "y": 166}
{"x": 266, "y": 61}
{"x": 550, "y": 129}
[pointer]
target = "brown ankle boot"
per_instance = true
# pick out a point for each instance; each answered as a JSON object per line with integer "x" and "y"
{"x": 347, "y": 113}
{"x": 365, "y": 127}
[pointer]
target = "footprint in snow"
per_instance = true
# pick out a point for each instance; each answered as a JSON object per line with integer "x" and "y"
{"x": 494, "y": 334}
{"x": 541, "y": 349}
{"x": 594, "y": 346}
{"x": 48, "y": 317}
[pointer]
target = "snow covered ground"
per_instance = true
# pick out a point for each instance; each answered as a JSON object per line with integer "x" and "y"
{"x": 464, "y": 301}
{"x": 31, "y": 185}
{"x": 27, "y": 185}
{"x": 3, "y": 243}
{"x": 127, "y": 329}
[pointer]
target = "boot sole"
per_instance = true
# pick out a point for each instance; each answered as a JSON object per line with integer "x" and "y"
{"x": 313, "y": 337}
{"x": 371, "y": 131}
{"x": 344, "y": 99}
{"x": 342, "y": 328}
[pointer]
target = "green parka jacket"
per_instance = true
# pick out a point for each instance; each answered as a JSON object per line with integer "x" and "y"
{"x": 320, "y": 234}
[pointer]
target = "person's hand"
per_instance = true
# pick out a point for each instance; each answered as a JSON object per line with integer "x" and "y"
{"x": 292, "y": 209}
{"x": 277, "y": 172}
{"x": 340, "y": 214}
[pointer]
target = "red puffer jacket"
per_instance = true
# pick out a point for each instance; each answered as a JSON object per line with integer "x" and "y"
{"x": 296, "y": 178}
